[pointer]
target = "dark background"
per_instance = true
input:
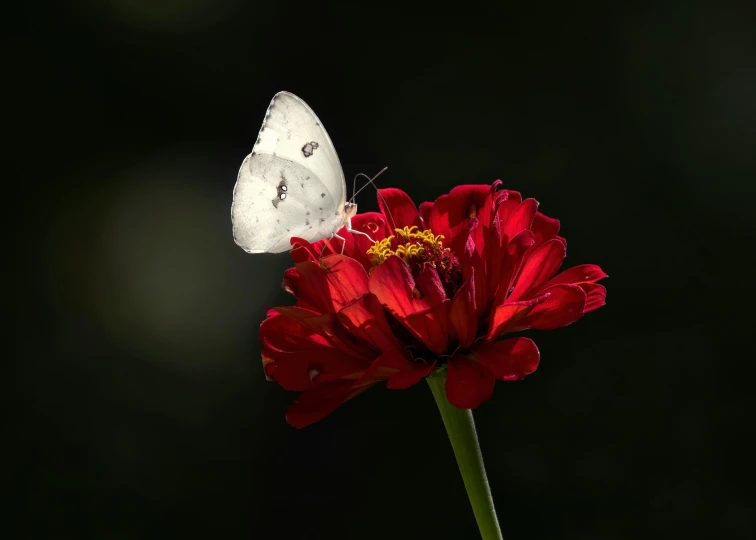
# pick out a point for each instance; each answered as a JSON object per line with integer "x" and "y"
{"x": 142, "y": 407}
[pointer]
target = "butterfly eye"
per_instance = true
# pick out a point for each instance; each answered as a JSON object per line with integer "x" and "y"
{"x": 283, "y": 196}
{"x": 284, "y": 188}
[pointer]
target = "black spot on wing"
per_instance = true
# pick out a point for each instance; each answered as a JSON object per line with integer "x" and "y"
{"x": 283, "y": 187}
{"x": 309, "y": 148}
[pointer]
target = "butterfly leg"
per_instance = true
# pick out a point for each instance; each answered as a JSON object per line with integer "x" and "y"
{"x": 343, "y": 241}
{"x": 353, "y": 231}
{"x": 325, "y": 246}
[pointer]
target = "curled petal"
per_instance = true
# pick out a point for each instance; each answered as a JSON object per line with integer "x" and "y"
{"x": 484, "y": 235}
{"x": 463, "y": 314}
{"x": 468, "y": 382}
{"x": 596, "y": 296}
{"x": 451, "y": 213}
{"x": 428, "y": 285}
{"x": 509, "y": 359}
{"x": 544, "y": 228}
{"x": 512, "y": 260}
{"x": 539, "y": 267}
{"x": 473, "y": 269}
{"x": 564, "y": 305}
{"x": 398, "y": 209}
{"x": 372, "y": 224}
{"x": 520, "y": 219}
{"x": 577, "y": 275}
{"x": 506, "y": 203}
{"x": 356, "y": 245}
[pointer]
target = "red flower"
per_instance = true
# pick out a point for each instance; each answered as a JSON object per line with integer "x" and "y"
{"x": 440, "y": 286}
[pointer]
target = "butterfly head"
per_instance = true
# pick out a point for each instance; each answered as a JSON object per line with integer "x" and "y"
{"x": 350, "y": 209}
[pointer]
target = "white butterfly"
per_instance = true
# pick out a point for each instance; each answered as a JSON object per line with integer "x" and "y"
{"x": 291, "y": 184}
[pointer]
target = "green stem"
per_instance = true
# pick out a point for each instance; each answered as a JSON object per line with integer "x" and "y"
{"x": 464, "y": 440}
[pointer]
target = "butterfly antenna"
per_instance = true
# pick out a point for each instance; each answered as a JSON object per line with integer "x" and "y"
{"x": 369, "y": 181}
{"x": 386, "y": 206}
{"x": 372, "y": 181}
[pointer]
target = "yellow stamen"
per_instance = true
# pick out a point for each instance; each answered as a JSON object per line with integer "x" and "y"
{"x": 414, "y": 247}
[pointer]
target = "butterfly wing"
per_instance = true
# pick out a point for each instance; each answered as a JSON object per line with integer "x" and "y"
{"x": 291, "y": 184}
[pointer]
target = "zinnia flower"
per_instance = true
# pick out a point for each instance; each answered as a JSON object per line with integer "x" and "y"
{"x": 437, "y": 287}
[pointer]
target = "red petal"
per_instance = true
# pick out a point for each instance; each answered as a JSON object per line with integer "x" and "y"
{"x": 468, "y": 383}
{"x": 507, "y": 202}
{"x": 513, "y": 257}
{"x": 544, "y": 228}
{"x": 389, "y": 363}
{"x": 319, "y": 401}
{"x": 564, "y": 305}
{"x": 584, "y": 273}
{"x": 302, "y": 250}
{"x": 354, "y": 245}
{"x": 596, "y": 296}
{"x": 509, "y": 359}
{"x": 325, "y": 327}
{"x": 520, "y": 219}
{"x": 451, "y": 213}
{"x": 473, "y": 268}
{"x": 327, "y": 287}
{"x": 494, "y": 253}
{"x": 428, "y": 283}
{"x": 366, "y": 320}
{"x": 373, "y": 224}
{"x": 432, "y": 326}
{"x": 425, "y": 210}
{"x": 408, "y": 377}
{"x": 294, "y": 353}
{"x": 392, "y": 283}
{"x": 405, "y": 379}
{"x": 401, "y": 211}
{"x": 507, "y": 317}
{"x": 398, "y": 371}
{"x": 484, "y": 235}
{"x": 463, "y": 314}
{"x": 540, "y": 266}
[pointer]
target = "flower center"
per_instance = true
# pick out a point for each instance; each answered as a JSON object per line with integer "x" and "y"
{"x": 416, "y": 248}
